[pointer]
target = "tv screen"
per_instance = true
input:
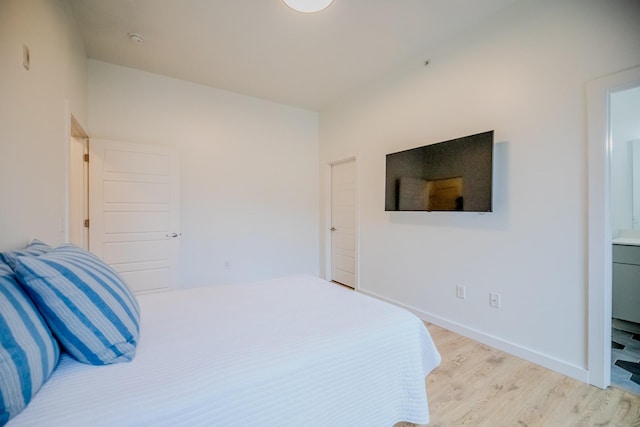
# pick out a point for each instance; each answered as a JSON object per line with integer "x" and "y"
{"x": 453, "y": 175}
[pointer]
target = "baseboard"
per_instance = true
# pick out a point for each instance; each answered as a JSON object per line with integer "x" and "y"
{"x": 543, "y": 360}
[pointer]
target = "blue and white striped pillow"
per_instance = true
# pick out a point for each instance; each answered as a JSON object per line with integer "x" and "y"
{"x": 87, "y": 305}
{"x": 35, "y": 248}
{"x": 28, "y": 351}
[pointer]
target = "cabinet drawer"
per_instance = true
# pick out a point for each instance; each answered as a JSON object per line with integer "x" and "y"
{"x": 626, "y": 254}
{"x": 626, "y": 292}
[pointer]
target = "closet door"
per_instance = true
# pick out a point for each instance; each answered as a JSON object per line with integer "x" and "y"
{"x": 343, "y": 223}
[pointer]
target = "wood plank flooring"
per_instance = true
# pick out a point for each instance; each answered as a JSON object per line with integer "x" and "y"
{"x": 477, "y": 385}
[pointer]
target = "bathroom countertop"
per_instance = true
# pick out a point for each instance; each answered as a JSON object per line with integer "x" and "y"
{"x": 629, "y": 241}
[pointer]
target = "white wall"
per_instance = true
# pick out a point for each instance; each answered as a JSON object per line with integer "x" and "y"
{"x": 625, "y": 127}
{"x": 523, "y": 73}
{"x": 34, "y": 117}
{"x": 249, "y": 170}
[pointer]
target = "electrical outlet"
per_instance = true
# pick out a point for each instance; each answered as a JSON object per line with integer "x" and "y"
{"x": 494, "y": 300}
{"x": 461, "y": 292}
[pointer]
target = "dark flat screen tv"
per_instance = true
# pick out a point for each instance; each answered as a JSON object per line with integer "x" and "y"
{"x": 453, "y": 175}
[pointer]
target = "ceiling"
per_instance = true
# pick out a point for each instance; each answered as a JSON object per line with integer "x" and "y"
{"x": 264, "y": 49}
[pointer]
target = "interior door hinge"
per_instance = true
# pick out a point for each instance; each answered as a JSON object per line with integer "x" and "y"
{"x": 86, "y": 158}
{"x": 86, "y": 223}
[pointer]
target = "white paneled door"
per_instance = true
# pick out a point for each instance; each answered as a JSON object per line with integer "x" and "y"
{"x": 134, "y": 211}
{"x": 343, "y": 223}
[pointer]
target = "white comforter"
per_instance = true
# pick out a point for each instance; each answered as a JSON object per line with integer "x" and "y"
{"x": 296, "y": 351}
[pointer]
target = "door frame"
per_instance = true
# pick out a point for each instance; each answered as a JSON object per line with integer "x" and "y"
{"x": 599, "y": 223}
{"x": 326, "y": 232}
{"x": 73, "y": 129}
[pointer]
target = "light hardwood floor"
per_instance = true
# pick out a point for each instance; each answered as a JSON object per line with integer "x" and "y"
{"x": 477, "y": 385}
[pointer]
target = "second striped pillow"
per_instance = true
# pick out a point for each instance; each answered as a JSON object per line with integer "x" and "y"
{"x": 87, "y": 305}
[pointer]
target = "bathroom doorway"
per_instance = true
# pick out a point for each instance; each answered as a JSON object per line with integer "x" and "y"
{"x": 624, "y": 119}
{"x": 600, "y": 233}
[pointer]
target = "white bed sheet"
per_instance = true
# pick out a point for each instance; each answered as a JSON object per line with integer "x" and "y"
{"x": 288, "y": 352}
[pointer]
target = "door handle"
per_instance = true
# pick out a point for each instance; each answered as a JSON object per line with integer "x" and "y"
{"x": 333, "y": 229}
{"x": 173, "y": 235}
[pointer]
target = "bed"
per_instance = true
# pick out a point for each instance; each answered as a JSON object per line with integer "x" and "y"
{"x": 286, "y": 352}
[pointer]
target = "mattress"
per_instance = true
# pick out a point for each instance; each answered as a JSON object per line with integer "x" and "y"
{"x": 287, "y": 352}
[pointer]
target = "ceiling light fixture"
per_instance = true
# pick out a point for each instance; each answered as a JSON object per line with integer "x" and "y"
{"x": 308, "y": 6}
